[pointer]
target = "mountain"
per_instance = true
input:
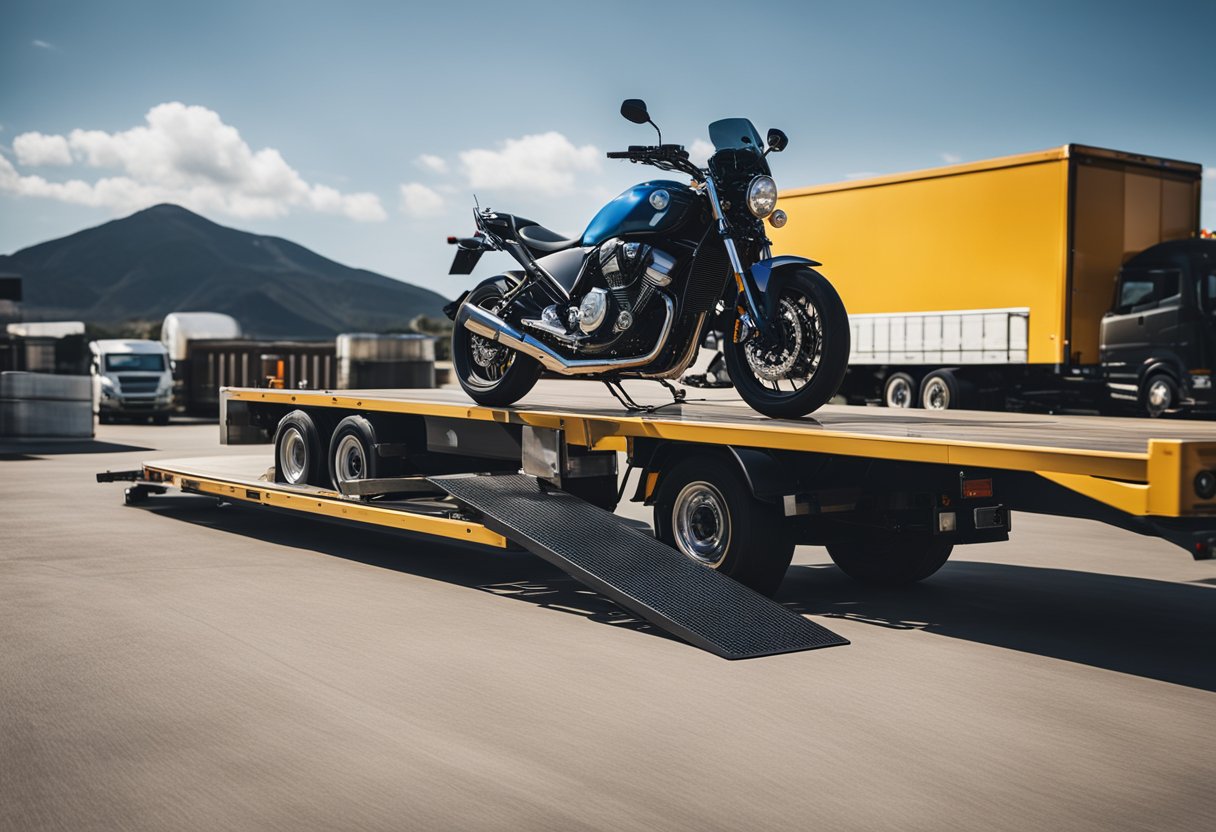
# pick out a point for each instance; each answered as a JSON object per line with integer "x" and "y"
{"x": 167, "y": 259}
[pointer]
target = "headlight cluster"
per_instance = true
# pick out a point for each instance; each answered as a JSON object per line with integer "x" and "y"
{"x": 762, "y": 196}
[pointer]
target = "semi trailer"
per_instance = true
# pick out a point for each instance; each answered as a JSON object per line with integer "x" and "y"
{"x": 1072, "y": 277}
{"x": 889, "y": 495}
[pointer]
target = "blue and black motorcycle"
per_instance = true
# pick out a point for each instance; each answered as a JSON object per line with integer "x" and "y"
{"x": 657, "y": 268}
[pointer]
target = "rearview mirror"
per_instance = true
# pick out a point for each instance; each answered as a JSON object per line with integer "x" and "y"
{"x": 777, "y": 140}
{"x": 634, "y": 109}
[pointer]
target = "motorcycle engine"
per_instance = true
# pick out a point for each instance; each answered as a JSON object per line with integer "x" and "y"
{"x": 623, "y": 277}
{"x": 631, "y": 272}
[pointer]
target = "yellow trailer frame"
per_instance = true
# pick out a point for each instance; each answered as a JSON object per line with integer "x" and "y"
{"x": 1139, "y": 467}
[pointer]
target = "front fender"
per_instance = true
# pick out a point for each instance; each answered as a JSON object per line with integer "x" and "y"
{"x": 769, "y": 277}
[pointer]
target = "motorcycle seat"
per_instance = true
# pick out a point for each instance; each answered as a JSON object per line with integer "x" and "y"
{"x": 539, "y": 238}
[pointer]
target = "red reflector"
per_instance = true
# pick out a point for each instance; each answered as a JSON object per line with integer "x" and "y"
{"x": 976, "y": 488}
{"x": 452, "y": 241}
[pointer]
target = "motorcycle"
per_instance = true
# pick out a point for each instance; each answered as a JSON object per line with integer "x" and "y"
{"x": 656, "y": 269}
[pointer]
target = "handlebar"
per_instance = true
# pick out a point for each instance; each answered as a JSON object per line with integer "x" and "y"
{"x": 651, "y": 153}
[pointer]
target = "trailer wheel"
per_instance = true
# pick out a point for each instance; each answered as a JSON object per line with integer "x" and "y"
{"x": 1158, "y": 395}
{"x": 944, "y": 390}
{"x": 890, "y": 558}
{"x": 899, "y": 390}
{"x": 297, "y": 451}
{"x": 705, "y": 510}
{"x": 352, "y": 451}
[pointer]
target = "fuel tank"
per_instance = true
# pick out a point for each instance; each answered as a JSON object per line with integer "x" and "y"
{"x": 634, "y": 212}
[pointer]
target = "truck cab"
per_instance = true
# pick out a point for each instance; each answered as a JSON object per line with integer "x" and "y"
{"x": 131, "y": 379}
{"x": 1158, "y": 343}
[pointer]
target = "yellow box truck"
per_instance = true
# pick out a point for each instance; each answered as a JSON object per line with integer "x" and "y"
{"x": 1067, "y": 277}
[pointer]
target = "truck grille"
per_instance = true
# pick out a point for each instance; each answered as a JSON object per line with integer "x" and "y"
{"x": 138, "y": 384}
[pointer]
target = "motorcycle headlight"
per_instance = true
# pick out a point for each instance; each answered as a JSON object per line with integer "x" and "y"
{"x": 762, "y": 196}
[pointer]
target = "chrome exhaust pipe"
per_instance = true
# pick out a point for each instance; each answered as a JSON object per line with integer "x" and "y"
{"x": 488, "y": 325}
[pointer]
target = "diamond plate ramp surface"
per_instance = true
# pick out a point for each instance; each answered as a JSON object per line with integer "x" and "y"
{"x": 646, "y": 577}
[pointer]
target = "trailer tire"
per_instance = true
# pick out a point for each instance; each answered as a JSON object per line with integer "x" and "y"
{"x": 352, "y": 451}
{"x": 297, "y": 451}
{"x": 890, "y": 558}
{"x": 704, "y": 510}
{"x": 899, "y": 391}
{"x": 1158, "y": 395}
{"x": 944, "y": 390}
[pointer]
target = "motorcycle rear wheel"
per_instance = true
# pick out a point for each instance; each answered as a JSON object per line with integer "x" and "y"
{"x": 799, "y": 370}
{"x": 490, "y": 373}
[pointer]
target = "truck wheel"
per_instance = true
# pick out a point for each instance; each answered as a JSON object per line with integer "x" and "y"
{"x": 705, "y": 510}
{"x": 1158, "y": 395}
{"x": 297, "y": 451}
{"x": 899, "y": 390}
{"x": 943, "y": 390}
{"x": 892, "y": 558}
{"x": 352, "y": 451}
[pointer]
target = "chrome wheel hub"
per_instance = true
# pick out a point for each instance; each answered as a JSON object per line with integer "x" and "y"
{"x": 701, "y": 523}
{"x": 349, "y": 460}
{"x": 293, "y": 456}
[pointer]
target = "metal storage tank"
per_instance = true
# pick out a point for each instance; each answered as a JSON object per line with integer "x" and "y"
{"x": 40, "y": 405}
{"x": 367, "y": 360}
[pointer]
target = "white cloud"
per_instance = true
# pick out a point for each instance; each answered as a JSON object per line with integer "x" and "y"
{"x": 417, "y": 200}
{"x": 545, "y": 163}
{"x": 38, "y": 149}
{"x": 435, "y": 164}
{"x": 1209, "y": 173}
{"x": 188, "y": 155}
{"x": 699, "y": 152}
{"x": 951, "y": 158}
{"x": 42, "y": 44}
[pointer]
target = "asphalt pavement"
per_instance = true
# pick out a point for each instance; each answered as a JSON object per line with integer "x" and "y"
{"x": 182, "y": 665}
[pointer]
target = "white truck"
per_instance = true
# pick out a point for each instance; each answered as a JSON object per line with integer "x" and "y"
{"x": 131, "y": 379}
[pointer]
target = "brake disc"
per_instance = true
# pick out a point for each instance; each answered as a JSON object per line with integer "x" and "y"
{"x": 771, "y": 362}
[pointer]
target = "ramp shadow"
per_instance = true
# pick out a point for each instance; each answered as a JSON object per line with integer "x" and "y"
{"x": 1154, "y": 629}
{"x": 35, "y": 449}
{"x": 513, "y": 574}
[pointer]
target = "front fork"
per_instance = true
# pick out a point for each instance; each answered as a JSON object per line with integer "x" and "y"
{"x": 750, "y": 318}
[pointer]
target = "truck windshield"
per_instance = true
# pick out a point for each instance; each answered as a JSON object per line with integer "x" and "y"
{"x": 135, "y": 361}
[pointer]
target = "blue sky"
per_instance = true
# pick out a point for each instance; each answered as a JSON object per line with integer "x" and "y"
{"x": 362, "y": 129}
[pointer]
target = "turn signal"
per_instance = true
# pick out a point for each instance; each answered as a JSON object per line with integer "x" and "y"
{"x": 778, "y": 218}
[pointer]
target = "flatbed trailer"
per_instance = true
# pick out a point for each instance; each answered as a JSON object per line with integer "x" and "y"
{"x": 888, "y": 494}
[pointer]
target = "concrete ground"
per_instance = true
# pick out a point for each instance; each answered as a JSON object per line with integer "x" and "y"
{"x": 186, "y": 666}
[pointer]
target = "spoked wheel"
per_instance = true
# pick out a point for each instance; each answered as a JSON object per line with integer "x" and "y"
{"x": 489, "y": 372}
{"x": 799, "y": 365}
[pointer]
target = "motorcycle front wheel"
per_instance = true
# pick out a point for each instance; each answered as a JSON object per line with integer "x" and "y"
{"x": 799, "y": 366}
{"x": 490, "y": 373}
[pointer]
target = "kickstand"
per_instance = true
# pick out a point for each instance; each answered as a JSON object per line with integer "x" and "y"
{"x": 618, "y": 392}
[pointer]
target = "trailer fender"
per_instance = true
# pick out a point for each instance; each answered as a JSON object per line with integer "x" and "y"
{"x": 766, "y": 477}
{"x": 770, "y": 276}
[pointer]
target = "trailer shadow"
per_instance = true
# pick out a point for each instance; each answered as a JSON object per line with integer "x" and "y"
{"x": 36, "y": 449}
{"x": 1154, "y": 629}
{"x": 514, "y": 574}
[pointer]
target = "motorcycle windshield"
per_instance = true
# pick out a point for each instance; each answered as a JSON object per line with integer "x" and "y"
{"x": 733, "y": 133}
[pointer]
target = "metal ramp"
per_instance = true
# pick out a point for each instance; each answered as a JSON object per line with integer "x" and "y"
{"x": 646, "y": 577}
